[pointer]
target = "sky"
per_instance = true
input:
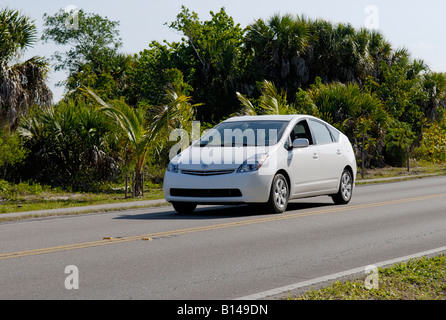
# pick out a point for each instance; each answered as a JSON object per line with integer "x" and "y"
{"x": 419, "y": 26}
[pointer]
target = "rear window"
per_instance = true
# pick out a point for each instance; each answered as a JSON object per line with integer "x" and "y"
{"x": 334, "y": 133}
{"x": 320, "y": 132}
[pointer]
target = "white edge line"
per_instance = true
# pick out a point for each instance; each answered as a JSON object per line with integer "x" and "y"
{"x": 298, "y": 285}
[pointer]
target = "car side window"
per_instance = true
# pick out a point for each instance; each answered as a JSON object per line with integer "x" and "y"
{"x": 321, "y": 133}
{"x": 301, "y": 130}
{"x": 334, "y": 134}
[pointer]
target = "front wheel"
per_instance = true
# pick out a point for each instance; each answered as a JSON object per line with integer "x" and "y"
{"x": 278, "y": 199}
{"x": 184, "y": 207}
{"x": 345, "y": 191}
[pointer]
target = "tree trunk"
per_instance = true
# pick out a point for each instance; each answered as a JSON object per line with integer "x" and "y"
{"x": 362, "y": 157}
{"x": 138, "y": 184}
{"x": 408, "y": 158}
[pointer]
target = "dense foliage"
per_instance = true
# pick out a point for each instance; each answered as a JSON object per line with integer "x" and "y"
{"x": 391, "y": 106}
{"x": 22, "y": 84}
{"x": 71, "y": 145}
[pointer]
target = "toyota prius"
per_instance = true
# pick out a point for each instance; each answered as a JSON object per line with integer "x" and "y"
{"x": 266, "y": 160}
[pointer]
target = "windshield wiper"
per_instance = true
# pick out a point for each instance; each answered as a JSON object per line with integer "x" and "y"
{"x": 237, "y": 144}
{"x": 234, "y": 144}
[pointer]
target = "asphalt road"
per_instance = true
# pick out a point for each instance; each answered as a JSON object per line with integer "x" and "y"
{"x": 219, "y": 252}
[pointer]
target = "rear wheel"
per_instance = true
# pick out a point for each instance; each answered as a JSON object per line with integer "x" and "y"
{"x": 345, "y": 192}
{"x": 278, "y": 199}
{"x": 184, "y": 207}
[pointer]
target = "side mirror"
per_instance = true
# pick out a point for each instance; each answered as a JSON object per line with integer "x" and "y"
{"x": 301, "y": 143}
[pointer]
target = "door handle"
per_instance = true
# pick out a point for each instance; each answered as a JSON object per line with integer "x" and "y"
{"x": 338, "y": 152}
{"x": 315, "y": 156}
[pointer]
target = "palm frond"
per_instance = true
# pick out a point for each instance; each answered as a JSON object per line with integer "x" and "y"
{"x": 247, "y": 107}
{"x": 22, "y": 84}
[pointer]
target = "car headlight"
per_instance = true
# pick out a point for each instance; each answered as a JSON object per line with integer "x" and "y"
{"x": 172, "y": 167}
{"x": 252, "y": 164}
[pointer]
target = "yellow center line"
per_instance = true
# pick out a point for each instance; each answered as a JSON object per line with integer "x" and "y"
{"x": 212, "y": 227}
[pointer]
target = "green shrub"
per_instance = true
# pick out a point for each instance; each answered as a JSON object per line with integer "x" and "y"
{"x": 71, "y": 146}
{"x": 433, "y": 144}
{"x": 11, "y": 190}
{"x": 12, "y": 152}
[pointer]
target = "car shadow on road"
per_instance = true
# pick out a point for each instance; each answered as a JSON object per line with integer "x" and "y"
{"x": 221, "y": 211}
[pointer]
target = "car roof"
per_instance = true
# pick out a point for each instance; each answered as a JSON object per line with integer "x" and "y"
{"x": 287, "y": 117}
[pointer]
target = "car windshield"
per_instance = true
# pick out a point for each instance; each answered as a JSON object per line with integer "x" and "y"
{"x": 244, "y": 133}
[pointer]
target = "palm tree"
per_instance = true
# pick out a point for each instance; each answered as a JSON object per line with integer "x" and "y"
{"x": 22, "y": 84}
{"x": 278, "y": 46}
{"x": 379, "y": 51}
{"x": 435, "y": 85}
{"x": 356, "y": 112}
{"x": 292, "y": 51}
{"x": 272, "y": 101}
{"x": 135, "y": 127}
{"x": 146, "y": 131}
{"x": 338, "y": 52}
{"x": 71, "y": 145}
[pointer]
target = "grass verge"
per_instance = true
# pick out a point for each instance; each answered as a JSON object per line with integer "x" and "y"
{"x": 417, "y": 279}
{"x": 418, "y": 168}
{"x": 31, "y": 197}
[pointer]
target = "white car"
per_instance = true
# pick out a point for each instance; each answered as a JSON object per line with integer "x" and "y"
{"x": 262, "y": 159}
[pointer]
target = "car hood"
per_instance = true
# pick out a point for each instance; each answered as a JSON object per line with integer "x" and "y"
{"x": 216, "y": 158}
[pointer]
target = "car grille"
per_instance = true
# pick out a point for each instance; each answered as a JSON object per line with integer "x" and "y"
{"x": 207, "y": 172}
{"x": 205, "y": 193}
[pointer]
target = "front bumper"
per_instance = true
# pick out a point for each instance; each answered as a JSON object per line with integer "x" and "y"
{"x": 220, "y": 189}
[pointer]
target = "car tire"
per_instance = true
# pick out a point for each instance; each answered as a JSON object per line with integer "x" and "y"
{"x": 184, "y": 207}
{"x": 345, "y": 191}
{"x": 279, "y": 194}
